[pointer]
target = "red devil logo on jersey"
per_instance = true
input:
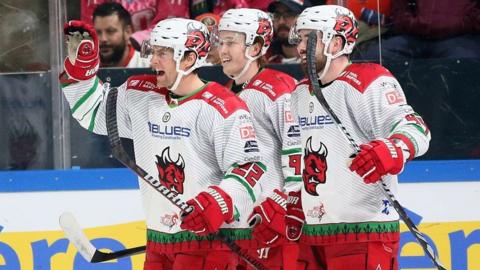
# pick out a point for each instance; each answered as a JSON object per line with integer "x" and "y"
{"x": 170, "y": 173}
{"x": 315, "y": 171}
{"x": 197, "y": 40}
{"x": 265, "y": 30}
{"x": 348, "y": 27}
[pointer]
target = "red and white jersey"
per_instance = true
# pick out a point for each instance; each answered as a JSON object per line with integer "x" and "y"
{"x": 135, "y": 61}
{"x": 371, "y": 105}
{"x": 190, "y": 143}
{"x": 267, "y": 96}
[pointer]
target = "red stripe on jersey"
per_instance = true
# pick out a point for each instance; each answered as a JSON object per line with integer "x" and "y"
{"x": 220, "y": 98}
{"x": 272, "y": 83}
{"x": 360, "y": 76}
{"x": 143, "y": 83}
{"x": 406, "y": 140}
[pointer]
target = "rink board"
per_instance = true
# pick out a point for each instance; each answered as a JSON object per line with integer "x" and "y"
{"x": 442, "y": 196}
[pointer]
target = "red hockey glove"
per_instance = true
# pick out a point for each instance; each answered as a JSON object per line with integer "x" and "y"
{"x": 295, "y": 217}
{"x": 83, "y": 60}
{"x": 211, "y": 209}
{"x": 376, "y": 159}
{"x": 269, "y": 218}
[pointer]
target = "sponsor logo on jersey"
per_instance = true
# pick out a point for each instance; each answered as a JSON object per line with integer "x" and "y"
{"x": 166, "y": 131}
{"x": 353, "y": 77}
{"x": 288, "y": 117}
{"x": 315, "y": 121}
{"x": 220, "y": 102}
{"x": 247, "y": 132}
{"x": 310, "y": 107}
{"x": 171, "y": 173}
{"x": 293, "y": 131}
{"x": 386, "y": 207}
{"x": 251, "y": 146}
{"x": 317, "y": 212}
{"x": 141, "y": 84}
{"x": 166, "y": 117}
{"x": 315, "y": 170}
{"x": 265, "y": 86}
{"x": 394, "y": 97}
{"x": 169, "y": 220}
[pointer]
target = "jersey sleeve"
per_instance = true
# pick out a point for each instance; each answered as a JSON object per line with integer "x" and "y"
{"x": 87, "y": 101}
{"x": 292, "y": 105}
{"x": 382, "y": 112}
{"x": 288, "y": 131}
{"x": 238, "y": 154}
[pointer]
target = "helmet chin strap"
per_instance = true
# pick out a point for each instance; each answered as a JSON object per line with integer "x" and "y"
{"x": 330, "y": 57}
{"x": 247, "y": 65}
{"x": 180, "y": 74}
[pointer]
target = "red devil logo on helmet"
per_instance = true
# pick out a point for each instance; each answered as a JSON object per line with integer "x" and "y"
{"x": 315, "y": 171}
{"x": 170, "y": 173}
{"x": 265, "y": 30}
{"x": 197, "y": 40}
{"x": 348, "y": 27}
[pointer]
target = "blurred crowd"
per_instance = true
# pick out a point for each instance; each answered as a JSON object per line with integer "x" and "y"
{"x": 389, "y": 30}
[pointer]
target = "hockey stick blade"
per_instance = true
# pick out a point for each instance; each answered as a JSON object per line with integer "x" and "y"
{"x": 119, "y": 152}
{"x": 75, "y": 235}
{"x": 313, "y": 77}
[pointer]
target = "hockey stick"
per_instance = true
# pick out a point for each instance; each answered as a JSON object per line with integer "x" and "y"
{"x": 76, "y": 236}
{"x": 120, "y": 153}
{"x": 313, "y": 76}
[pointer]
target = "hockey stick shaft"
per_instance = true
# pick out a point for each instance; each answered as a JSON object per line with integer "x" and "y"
{"x": 120, "y": 153}
{"x": 313, "y": 77}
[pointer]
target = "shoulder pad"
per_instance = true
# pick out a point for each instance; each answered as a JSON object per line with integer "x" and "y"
{"x": 304, "y": 81}
{"x": 222, "y": 99}
{"x": 272, "y": 83}
{"x": 360, "y": 76}
{"x": 142, "y": 83}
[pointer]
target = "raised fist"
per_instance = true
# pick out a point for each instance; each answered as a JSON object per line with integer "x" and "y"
{"x": 83, "y": 60}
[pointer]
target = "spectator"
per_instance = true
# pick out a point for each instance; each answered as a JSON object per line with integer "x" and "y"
{"x": 211, "y": 21}
{"x": 285, "y": 13}
{"x": 431, "y": 29}
{"x": 142, "y": 12}
{"x": 113, "y": 24}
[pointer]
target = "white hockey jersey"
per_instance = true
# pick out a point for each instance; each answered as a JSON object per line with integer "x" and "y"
{"x": 338, "y": 205}
{"x": 267, "y": 96}
{"x": 136, "y": 61}
{"x": 206, "y": 138}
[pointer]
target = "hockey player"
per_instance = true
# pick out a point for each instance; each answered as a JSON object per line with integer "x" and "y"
{"x": 347, "y": 222}
{"x": 245, "y": 35}
{"x": 192, "y": 134}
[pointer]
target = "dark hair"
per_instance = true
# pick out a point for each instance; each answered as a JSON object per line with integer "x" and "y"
{"x": 111, "y": 8}
{"x": 261, "y": 61}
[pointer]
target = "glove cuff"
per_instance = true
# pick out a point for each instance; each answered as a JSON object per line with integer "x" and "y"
{"x": 80, "y": 73}
{"x": 224, "y": 202}
{"x": 279, "y": 198}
